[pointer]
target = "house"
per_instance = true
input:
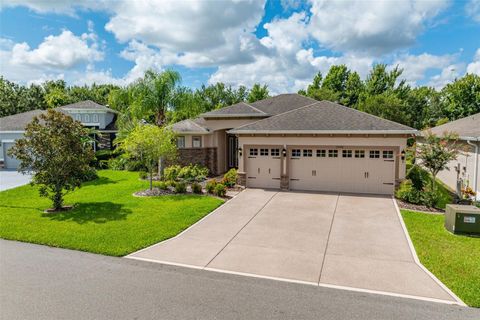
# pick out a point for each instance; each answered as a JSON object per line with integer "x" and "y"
{"x": 89, "y": 113}
{"x": 294, "y": 142}
{"x": 464, "y": 170}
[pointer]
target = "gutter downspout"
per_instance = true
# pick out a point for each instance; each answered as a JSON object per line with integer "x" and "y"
{"x": 475, "y": 167}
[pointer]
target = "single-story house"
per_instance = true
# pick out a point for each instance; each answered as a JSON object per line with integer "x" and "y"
{"x": 464, "y": 170}
{"x": 89, "y": 113}
{"x": 294, "y": 142}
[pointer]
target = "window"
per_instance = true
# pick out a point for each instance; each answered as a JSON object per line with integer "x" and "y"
{"x": 332, "y": 153}
{"x": 197, "y": 142}
{"x": 321, "y": 153}
{"x": 86, "y": 118}
{"x": 95, "y": 118}
{"x": 359, "y": 153}
{"x": 307, "y": 152}
{"x": 346, "y": 153}
{"x": 254, "y": 152}
{"x": 275, "y": 152}
{"x": 388, "y": 154}
{"x": 296, "y": 153}
{"x": 78, "y": 117}
{"x": 180, "y": 142}
{"x": 264, "y": 152}
{"x": 374, "y": 154}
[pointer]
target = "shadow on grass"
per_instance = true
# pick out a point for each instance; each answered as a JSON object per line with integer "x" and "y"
{"x": 100, "y": 181}
{"x": 97, "y": 212}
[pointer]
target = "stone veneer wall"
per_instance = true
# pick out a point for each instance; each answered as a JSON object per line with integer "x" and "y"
{"x": 203, "y": 156}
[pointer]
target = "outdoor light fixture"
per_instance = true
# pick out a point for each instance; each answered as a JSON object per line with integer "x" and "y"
{"x": 284, "y": 152}
{"x": 240, "y": 152}
{"x": 403, "y": 154}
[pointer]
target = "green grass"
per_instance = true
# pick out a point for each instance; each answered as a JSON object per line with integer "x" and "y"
{"x": 106, "y": 219}
{"x": 444, "y": 193}
{"x": 454, "y": 259}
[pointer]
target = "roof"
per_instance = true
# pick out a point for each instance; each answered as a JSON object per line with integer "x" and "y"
{"x": 240, "y": 109}
{"x": 19, "y": 121}
{"x": 86, "y": 105}
{"x": 467, "y": 128}
{"x": 190, "y": 126}
{"x": 324, "y": 117}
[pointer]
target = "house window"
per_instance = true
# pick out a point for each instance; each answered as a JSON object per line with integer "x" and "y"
{"x": 95, "y": 118}
{"x": 86, "y": 118}
{"x": 180, "y": 142}
{"x": 197, "y": 142}
{"x": 346, "y": 153}
{"x": 264, "y": 152}
{"x": 254, "y": 152}
{"x": 296, "y": 153}
{"x": 307, "y": 152}
{"x": 321, "y": 153}
{"x": 78, "y": 117}
{"x": 332, "y": 153}
{"x": 359, "y": 153}
{"x": 374, "y": 154}
{"x": 387, "y": 154}
{"x": 275, "y": 152}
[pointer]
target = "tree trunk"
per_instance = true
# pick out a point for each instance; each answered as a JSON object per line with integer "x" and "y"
{"x": 57, "y": 199}
{"x": 151, "y": 178}
{"x": 160, "y": 167}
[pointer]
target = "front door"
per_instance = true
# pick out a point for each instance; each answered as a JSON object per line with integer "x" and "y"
{"x": 232, "y": 151}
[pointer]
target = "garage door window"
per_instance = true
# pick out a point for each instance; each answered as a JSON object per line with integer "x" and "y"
{"x": 346, "y": 153}
{"x": 321, "y": 153}
{"x": 359, "y": 153}
{"x": 388, "y": 154}
{"x": 296, "y": 153}
{"x": 264, "y": 152}
{"x": 307, "y": 153}
{"x": 275, "y": 152}
{"x": 333, "y": 153}
{"x": 374, "y": 154}
{"x": 254, "y": 152}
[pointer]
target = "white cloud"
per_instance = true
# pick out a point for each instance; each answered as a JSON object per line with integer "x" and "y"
{"x": 415, "y": 66}
{"x": 473, "y": 9}
{"x": 448, "y": 74}
{"x": 67, "y": 7}
{"x": 474, "y": 66}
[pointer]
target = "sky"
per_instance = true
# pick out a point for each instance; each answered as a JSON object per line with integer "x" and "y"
{"x": 282, "y": 43}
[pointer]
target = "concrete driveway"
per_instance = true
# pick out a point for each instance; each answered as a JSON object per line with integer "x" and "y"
{"x": 346, "y": 241}
{"x": 10, "y": 179}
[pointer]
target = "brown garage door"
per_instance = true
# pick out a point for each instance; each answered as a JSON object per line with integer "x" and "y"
{"x": 263, "y": 166}
{"x": 358, "y": 170}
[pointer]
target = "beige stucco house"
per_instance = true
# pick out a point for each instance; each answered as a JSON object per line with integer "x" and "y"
{"x": 464, "y": 170}
{"x": 294, "y": 142}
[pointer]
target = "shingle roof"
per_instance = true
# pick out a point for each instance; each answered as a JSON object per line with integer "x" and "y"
{"x": 283, "y": 103}
{"x": 18, "y": 122}
{"x": 324, "y": 117}
{"x": 189, "y": 126}
{"x": 86, "y": 105}
{"x": 240, "y": 109}
{"x": 468, "y": 127}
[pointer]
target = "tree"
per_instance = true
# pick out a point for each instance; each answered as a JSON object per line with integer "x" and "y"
{"x": 336, "y": 79}
{"x": 58, "y": 151}
{"x": 149, "y": 143}
{"x": 258, "y": 92}
{"x": 386, "y": 105}
{"x": 462, "y": 97}
{"x": 354, "y": 87}
{"x": 435, "y": 152}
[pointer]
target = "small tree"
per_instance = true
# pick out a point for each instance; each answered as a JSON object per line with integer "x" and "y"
{"x": 435, "y": 152}
{"x": 58, "y": 151}
{"x": 149, "y": 143}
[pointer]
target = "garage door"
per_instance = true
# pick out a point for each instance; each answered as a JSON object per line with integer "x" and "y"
{"x": 342, "y": 169}
{"x": 9, "y": 162}
{"x": 263, "y": 166}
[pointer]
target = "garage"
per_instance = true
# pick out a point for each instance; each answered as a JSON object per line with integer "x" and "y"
{"x": 264, "y": 166}
{"x": 342, "y": 169}
{"x": 9, "y": 162}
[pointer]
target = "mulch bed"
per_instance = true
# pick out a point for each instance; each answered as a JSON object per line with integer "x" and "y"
{"x": 418, "y": 207}
{"x": 154, "y": 192}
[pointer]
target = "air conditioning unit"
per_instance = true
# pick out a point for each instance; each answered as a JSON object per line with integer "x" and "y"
{"x": 462, "y": 219}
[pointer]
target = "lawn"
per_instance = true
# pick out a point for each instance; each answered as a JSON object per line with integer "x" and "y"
{"x": 454, "y": 259}
{"x": 106, "y": 219}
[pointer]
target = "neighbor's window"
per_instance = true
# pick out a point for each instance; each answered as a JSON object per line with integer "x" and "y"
{"x": 275, "y": 152}
{"x": 332, "y": 153}
{"x": 78, "y": 117}
{"x": 321, "y": 153}
{"x": 254, "y": 152}
{"x": 388, "y": 154}
{"x": 374, "y": 154}
{"x": 197, "y": 142}
{"x": 359, "y": 153}
{"x": 86, "y": 118}
{"x": 95, "y": 118}
{"x": 180, "y": 142}
{"x": 264, "y": 152}
{"x": 307, "y": 152}
{"x": 347, "y": 153}
{"x": 296, "y": 153}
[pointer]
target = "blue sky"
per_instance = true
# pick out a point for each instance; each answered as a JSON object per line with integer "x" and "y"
{"x": 280, "y": 43}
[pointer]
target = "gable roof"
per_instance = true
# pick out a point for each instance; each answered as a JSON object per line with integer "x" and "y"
{"x": 86, "y": 105}
{"x": 467, "y": 128}
{"x": 190, "y": 126}
{"x": 240, "y": 109}
{"x": 324, "y": 117}
{"x": 18, "y": 122}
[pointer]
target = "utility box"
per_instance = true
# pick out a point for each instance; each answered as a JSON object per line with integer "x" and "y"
{"x": 462, "y": 219}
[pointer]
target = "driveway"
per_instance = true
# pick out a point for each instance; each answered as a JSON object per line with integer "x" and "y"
{"x": 10, "y": 179}
{"x": 338, "y": 240}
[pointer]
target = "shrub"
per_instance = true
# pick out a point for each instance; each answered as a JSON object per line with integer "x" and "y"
{"x": 210, "y": 186}
{"x": 170, "y": 183}
{"x": 418, "y": 177}
{"x": 162, "y": 185}
{"x": 196, "y": 188}
{"x": 230, "y": 178}
{"x": 430, "y": 198}
{"x": 193, "y": 173}
{"x": 143, "y": 175}
{"x": 117, "y": 163}
{"x": 408, "y": 193}
{"x": 180, "y": 187}
{"x": 220, "y": 190}
{"x": 90, "y": 175}
{"x": 171, "y": 172}
{"x": 135, "y": 165}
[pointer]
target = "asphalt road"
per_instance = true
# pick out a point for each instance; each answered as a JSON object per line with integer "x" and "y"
{"x": 38, "y": 282}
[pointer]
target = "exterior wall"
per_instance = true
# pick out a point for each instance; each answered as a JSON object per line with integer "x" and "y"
{"x": 93, "y": 118}
{"x": 203, "y": 156}
{"x": 8, "y": 136}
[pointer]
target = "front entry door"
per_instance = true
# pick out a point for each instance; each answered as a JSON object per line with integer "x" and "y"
{"x": 232, "y": 152}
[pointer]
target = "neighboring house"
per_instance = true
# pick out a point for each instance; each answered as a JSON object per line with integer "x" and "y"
{"x": 294, "y": 142}
{"x": 464, "y": 170}
{"x": 89, "y": 113}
